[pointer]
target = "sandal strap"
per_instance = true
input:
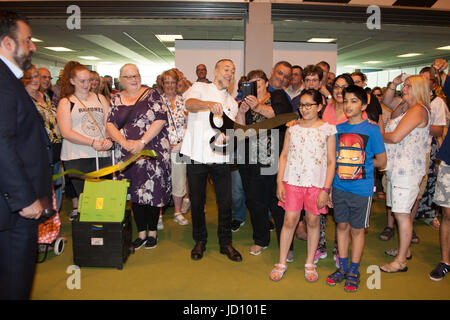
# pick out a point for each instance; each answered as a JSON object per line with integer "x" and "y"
{"x": 280, "y": 266}
{"x": 310, "y": 266}
{"x": 338, "y": 275}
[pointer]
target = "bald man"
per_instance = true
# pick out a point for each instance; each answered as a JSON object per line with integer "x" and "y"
{"x": 201, "y": 73}
{"x": 46, "y": 82}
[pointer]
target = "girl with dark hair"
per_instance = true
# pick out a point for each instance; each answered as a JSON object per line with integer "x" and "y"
{"x": 305, "y": 174}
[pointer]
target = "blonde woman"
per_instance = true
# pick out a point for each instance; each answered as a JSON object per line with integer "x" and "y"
{"x": 406, "y": 140}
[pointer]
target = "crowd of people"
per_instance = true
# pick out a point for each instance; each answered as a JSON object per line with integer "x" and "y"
{"x": 346, "y": 139}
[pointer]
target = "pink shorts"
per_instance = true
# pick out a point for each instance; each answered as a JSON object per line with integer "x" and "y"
{"x": 295, "y": 197}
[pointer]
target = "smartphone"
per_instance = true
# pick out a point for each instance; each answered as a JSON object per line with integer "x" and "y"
{"x": 248, "y": 88}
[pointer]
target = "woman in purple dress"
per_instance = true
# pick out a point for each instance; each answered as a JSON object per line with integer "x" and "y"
{"x": 138, "y": 120}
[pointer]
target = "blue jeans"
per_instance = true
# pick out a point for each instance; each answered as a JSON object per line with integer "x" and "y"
{"x": 238, "y": 197}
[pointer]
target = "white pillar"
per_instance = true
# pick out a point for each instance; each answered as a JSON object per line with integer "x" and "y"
{"x": 259, "y": 38}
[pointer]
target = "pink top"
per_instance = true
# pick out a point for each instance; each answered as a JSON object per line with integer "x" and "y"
{"x": 329, "y": 115}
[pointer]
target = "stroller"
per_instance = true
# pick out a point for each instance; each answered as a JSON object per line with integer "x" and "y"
{"x": 48, "y": 235}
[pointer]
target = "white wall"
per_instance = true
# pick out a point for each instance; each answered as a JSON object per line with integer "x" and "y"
{"x": 190, "y": 53}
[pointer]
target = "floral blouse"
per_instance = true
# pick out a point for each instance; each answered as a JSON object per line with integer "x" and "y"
{"x": 408, "y": 157}
{"x": 177, "y": 119}
{"x": 48, "y": 113}
{"x": 306, "y": 164}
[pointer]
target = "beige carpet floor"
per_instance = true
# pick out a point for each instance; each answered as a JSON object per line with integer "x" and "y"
{"x": 168, "y": 273}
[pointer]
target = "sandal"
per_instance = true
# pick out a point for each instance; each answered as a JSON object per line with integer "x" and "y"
{"x": 178, "y": 217}
{"x": 415, "y": 239}
{"x": 389, "y": 269}
{"x": 277, "y": 273}
{"x": 386, "y": 234}
{"x": 352, "y": 282}
{"x": 394, "y": 252}
{"x": 256, "y": 249}
{"x": 337, "y": 277}
{"x": 311, "y": 274}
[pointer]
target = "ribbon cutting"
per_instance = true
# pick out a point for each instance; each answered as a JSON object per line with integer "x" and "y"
{"x": 108, "y": 170}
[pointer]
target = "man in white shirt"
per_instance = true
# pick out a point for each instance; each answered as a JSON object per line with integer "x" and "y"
{"x": 201, "y": 99}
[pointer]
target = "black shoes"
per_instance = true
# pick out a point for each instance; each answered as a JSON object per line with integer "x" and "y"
{"x": 197, "y": 252}
{"x": 151, "y": 243}
{"x": 231, "y": 253}
{"x": 439, "y": 272}
{"x": 138, "y": 243}
{"x": 236, "y": 225}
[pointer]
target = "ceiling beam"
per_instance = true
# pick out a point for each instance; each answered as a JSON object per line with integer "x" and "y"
{"x": 130, "y": 9}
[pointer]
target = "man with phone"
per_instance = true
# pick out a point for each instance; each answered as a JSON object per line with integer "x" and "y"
{"x": 260, "y": 183}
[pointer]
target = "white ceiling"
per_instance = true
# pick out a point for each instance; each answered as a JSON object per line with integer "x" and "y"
{"x": 133, "y": 40}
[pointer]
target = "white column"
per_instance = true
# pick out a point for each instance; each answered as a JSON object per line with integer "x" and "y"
{"x": 259, "y": 38}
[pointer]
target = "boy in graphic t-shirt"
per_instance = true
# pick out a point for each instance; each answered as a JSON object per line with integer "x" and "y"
{"x": 359, "y": 148}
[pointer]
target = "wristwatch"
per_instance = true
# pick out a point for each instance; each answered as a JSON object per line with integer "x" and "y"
{"x": 143, "y": 142}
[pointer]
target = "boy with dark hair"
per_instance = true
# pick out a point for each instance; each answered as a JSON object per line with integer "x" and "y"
{"x": 360, "y": 148}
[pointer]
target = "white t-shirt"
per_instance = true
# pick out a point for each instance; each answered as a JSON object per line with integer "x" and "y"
{"x": 438, "y": 115}
{"x": 199, "y": 132}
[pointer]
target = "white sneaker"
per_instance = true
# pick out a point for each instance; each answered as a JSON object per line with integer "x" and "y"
{"x": 178, "y": 217}
{"x": 160, "y": 223}
{"x": 186, "y": 205}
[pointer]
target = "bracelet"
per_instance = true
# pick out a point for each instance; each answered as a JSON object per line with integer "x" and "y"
{"x": 327, "y": 190}
{"x": 92, "y": 144}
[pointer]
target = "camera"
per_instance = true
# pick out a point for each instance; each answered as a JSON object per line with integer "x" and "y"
{"x": 248, "y": 88}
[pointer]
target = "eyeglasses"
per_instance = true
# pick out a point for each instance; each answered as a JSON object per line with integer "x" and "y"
{"x": 32, "y": 77}
{"x": 311, "y": 80}
{"x": 135, "y": 77}
{"x": 378, "y": 95}
{"x": 307, "y": 106}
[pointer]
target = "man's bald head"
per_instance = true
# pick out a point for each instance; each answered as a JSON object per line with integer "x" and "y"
{"x": 46, "y": 78}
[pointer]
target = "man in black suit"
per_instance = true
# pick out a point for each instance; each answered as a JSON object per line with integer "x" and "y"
{"x": 25, "y": 171}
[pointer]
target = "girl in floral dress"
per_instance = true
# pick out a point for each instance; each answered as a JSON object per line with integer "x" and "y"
{"x": 305, "y": 175}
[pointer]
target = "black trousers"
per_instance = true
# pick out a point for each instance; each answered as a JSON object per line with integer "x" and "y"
{"x": 84, "y": 165}
{"x": 197, "y": 175}
{"x": 18, "y": 249}
{"x": 146, "y": 217}
{"x": 261, "y": 196}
